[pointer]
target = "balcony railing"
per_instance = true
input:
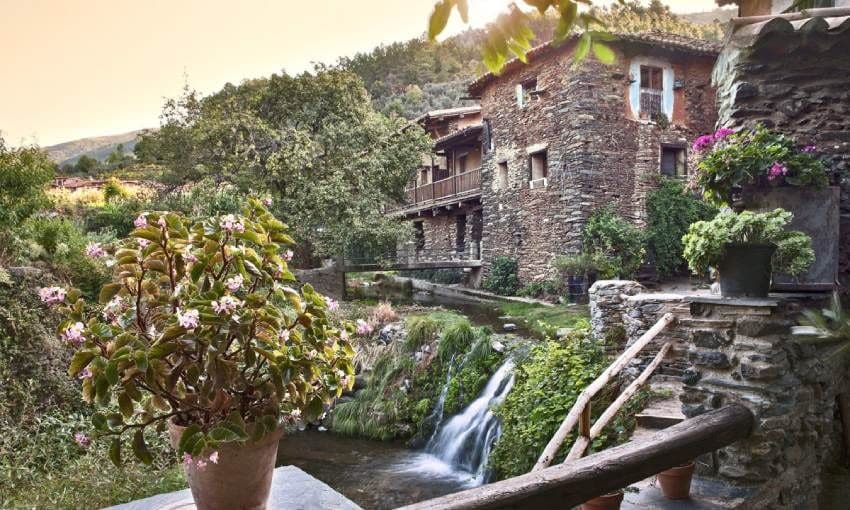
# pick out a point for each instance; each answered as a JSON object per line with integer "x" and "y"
{"x": 467, "y": 183}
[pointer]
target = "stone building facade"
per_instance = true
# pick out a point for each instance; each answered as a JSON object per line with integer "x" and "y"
{"x": 564, "y": 140}
{"x": 790, "y": 72}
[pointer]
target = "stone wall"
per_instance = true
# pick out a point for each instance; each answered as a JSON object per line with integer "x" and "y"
{"x": 743, "y": 352}
{"x": 598, "y": 152}
{"x": 798, "y": 84}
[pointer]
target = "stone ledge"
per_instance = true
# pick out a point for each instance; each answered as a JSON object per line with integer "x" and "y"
{"x": 292, "y": 489}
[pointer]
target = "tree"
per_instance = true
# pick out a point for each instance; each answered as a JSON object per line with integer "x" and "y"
{"x": 86, "y": 165}
{"x": 25, "y": 172}
{"x": 312, "y": 141}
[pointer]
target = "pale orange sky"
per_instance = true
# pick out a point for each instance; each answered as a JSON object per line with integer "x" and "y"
{"x": 79, "y": 68}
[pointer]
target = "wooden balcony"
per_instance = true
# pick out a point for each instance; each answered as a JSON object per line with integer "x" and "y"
{"x": 455, "y": 188}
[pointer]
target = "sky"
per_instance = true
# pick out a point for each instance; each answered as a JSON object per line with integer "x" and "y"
{"x": 79, "y": 68}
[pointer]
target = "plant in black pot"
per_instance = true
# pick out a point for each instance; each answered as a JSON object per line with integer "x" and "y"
{"x": 578, "y": 272}
{"x": 746, "y": 249}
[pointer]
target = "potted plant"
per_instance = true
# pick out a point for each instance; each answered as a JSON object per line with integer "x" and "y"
{"x": 201, "y": 332}
{"x": 610, "y": 501}
{"x": 676, "y": 482}
{"x": 745, "y": 248}
{"x": 759, "y": 170}
{"x": 579, "y": 271}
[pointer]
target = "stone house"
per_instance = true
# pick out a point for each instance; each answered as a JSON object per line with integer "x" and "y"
{"x": 563, "y": 140}
{"x": 791, "y": 72}
{"x": 444, "y": 197}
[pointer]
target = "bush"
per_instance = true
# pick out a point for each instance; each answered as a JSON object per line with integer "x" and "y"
{"x": 115, "y": 216}
{"x": 575, "y": 265}
{"x": 443, "y": 276}
{"x": 542, "y": 289}
{"x": 502, "y": 279}
{"x": 546, "y": 386}
{"x": 670, "y": 211}
{"x": 617, "y": 244}
{"x": 113, "y": 189}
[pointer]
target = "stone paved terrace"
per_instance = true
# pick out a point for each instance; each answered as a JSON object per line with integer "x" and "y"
{"x": 292, "y": 489}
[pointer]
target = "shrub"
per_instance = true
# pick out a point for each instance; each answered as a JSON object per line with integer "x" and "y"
{"x": 670, "y": 211}
{"x": 617, "y": 244}
{"x": 575, "y": 265}
{"x": 502, "y": 279}
{"x": 705, "y": 241}
{"x": 542, "y": 289}
{"x": 421, "y": 329}
{"x": 24, "y": 176}
{"x": 384, "y": 313}
{"x": 546, "y": 386}
{"x": 116, "y": 216}
{"x": 113, "y": 189}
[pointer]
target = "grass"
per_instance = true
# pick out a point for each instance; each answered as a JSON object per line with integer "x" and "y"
{"x": 544, "y": 321}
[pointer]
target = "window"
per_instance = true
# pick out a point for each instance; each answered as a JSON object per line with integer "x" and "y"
{"x": 539, "y": 166}
{"x": 651, "y": 91}
{"x": 525, "y": 92}
{"x": 419, "y": 235}
{"x": 503, "y": 175}
{"x": 423, "y": 176}
{"x": 460, "y": 238}
{"x": 674, "y": 161}
{"x": 461, "y": 163}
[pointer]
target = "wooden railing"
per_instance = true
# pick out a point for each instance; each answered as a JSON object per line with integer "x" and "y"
{"x": 467, "y": 183}
{"x": 580, "y": 412}
{"x": 568, "y": 485}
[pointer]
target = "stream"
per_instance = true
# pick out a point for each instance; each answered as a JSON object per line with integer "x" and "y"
{"x": 381, "y": 475}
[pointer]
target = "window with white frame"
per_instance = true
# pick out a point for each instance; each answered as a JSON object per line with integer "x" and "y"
{"x": 525, "y": 92}
{"x": 651, "y": 89}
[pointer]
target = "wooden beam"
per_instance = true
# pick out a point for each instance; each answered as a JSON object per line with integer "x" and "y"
{"x": 584, "y": 398}
{"x": 580, "y": 446}
{"x": 568, "y": 485}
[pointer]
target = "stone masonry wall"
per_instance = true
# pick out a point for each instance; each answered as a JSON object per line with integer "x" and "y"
{"x": 744, "y": 353}
{"x": 598, "y": 153}
{"x": 798, "y": 84}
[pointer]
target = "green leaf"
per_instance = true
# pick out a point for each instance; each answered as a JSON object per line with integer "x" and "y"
{"x": 604, "y": 53}
{"x": 101, "y": 389}
{"x": 125, "y": 404}
{"x": 227, "y": 432}
{"x": 140, "y": 448}
{"x": 582, "y": 48}
{"x": 188, "y": 438}
{"x": 79, "y": 361}
{"x": 163, "y": 349}
{"x": 115, "y": 451}
{"x": 108, "y": 291}
{"x": 439, "y": 18}
{"x": 314, "y": 409}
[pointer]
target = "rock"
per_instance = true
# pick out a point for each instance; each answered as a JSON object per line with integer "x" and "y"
{"x": 563, "y": 332}
{"x": 497, "y": 346}
{"x": 322, "y": 429}
{"x": 509, "y": 326}
{"x": 359, "y": 382}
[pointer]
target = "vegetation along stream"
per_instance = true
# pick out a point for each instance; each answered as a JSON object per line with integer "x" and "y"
{"x": 424, "y": 418}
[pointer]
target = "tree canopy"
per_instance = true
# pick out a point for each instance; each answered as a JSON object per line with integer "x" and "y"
{"x": 313, "y": 142}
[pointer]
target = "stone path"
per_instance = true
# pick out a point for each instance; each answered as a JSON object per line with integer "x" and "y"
{"x": 292, "y": 489}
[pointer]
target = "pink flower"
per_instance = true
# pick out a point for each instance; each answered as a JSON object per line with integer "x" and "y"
{"x": 214, "y": 458}
{"x": 722, "y": 133}
{"x": 201, "y": 464}
{"x": 364, "y": 328}
{"x": 51, "y": 295}
{"x": 267, "y": 202}
{"x": 73, "y": 334}
{"x": 81, "y": 439}
{"x": 776, "y": 171}
{"x": 188, "y": 256}
{"x": 161, "y": 222}
{"x": 703, "y": 142}
{"x": 226, "y": 305}
{"x": 113, "y": 308}
{"x": 95, "y": 251}
{"x": 231, "y": 223}
{"x": 143, "y": 243}
{"x": 141, "y": 221}
{"x": 333, "y": 304}
{"x": 234, "y": 283}
{"x": 85, "y": 373}
{"x": 187, "y": 459}
{"x": 810, "y": 149}
{"x": 343, "y": 335}
{"x": 189, "y": 320}
{"x": 287, "y": 255}
{"x": 295, "y": 413}
{"x": 283, "y": 335}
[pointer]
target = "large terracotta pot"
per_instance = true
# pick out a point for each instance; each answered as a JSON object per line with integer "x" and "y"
{"x": 242, "y": 478}
{"x": 607, "y": 502}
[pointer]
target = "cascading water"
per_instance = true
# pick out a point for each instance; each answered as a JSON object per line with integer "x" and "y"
{"x": 461, "y": 446}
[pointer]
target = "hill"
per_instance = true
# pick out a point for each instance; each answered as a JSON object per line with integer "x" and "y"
{"x": 98, "y": 147}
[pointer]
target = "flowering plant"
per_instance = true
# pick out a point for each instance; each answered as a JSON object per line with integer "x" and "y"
{"x": 201, "y": 325}
{"x": 730, "y": 159}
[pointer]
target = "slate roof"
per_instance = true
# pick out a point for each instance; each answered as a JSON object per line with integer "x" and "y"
{"x": 666, "y": 40}
{"x": 833, "y": 21}
{"x": 456, "y": 136}
{"x": 449, "y": 112}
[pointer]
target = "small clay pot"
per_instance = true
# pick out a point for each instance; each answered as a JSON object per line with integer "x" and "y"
{"x": 242, "y": 478}
{"x": 607, "y": 502}
{"x": 676, "y": 482}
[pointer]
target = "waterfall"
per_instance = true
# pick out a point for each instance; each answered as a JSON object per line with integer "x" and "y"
{"x": 465, "y": 440}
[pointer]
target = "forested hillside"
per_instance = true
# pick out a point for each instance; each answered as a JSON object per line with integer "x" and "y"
{"x": 409, "y": 78}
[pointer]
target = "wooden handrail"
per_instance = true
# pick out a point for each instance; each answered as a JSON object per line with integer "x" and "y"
{"x": 568, "y": 485}
{"x": 593, "y": 388}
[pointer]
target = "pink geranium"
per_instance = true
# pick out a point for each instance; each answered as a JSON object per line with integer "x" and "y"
{"x": 776, "y": 171}
{"x": 188, "y": 319}
{"x": 234, "y": 283}
{"x": 230, "y": 223}
{"x": 51, "y": 295}
{"x": 141, "y": 221}
{"x": 364, "y": 328}
{"x": 81, "y": 439}
{"x": 73, "y": 334}
{"x": 703, "y": 143}
{"x": 226, "y": 305}
{"x": 95, "y": 251}
{"x": 287, "y": 255}
{"x": 722, "y": 133}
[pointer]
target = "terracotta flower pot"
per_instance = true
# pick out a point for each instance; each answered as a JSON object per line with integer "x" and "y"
{"x": 676, "y": 482}
{"x": 240, "y": 480}
{"x": 607, "y": 502}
